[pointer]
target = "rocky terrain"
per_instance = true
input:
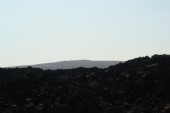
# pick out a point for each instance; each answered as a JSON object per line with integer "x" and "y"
{"x": 140, "y": 85}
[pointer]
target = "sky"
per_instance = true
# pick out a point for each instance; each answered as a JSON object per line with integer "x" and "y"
{"x": 41, "y": 31}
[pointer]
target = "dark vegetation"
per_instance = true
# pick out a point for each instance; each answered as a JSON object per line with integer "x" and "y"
{"x": 141, "y": 85}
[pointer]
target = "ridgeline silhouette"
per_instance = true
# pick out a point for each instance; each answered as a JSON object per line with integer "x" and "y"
{"x": 139, "y": 85}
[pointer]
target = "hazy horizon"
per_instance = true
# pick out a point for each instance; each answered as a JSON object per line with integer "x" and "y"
{"x": 71, "y": 60}
{"x": 42, "y": 31}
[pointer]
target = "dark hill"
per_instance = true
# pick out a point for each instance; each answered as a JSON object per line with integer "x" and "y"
{"x": 141, "y": 85}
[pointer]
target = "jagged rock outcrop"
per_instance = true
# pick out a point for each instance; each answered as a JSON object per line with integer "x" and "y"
{"x": 140, "y": 85}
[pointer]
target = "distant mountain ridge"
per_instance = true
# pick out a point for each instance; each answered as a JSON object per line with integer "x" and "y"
{"x": 73, "y": 64}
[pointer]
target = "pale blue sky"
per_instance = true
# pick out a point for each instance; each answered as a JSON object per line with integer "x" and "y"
{"x": 39, "y": 31}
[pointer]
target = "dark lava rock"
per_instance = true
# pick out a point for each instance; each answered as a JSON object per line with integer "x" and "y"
{"x": 140, "y": 85}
